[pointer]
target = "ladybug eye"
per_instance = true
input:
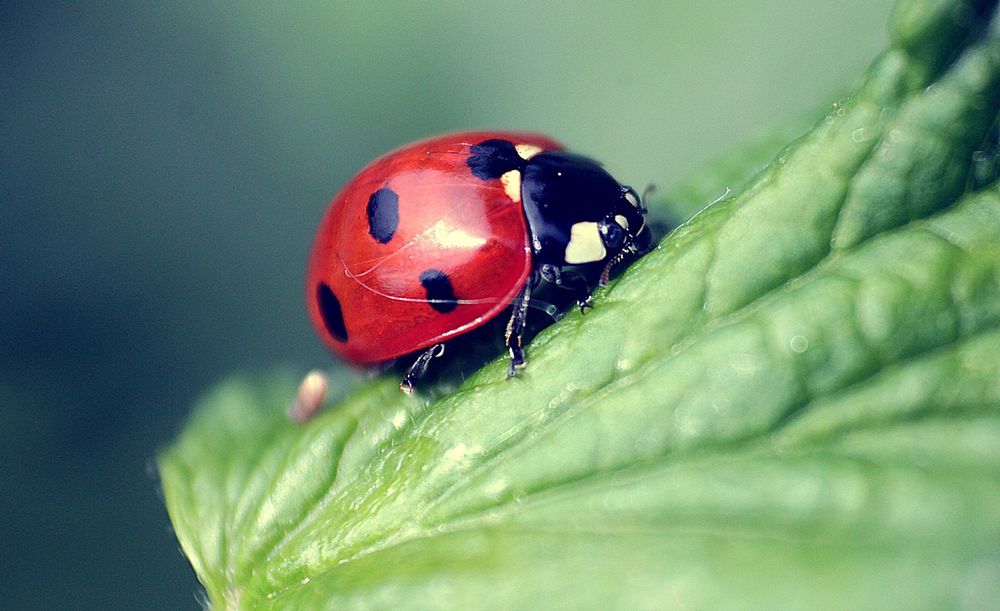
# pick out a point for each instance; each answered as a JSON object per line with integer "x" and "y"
{"x": 613, "y": 235}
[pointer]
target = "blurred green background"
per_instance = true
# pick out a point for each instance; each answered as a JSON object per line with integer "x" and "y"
{"x": 163, "y": 165}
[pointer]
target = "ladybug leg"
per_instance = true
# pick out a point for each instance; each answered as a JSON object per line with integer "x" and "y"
{"x": 515, "y": 330}
{"x": 550, "y": 273}
{"x": 584, "y": 296}
{"x": 419, "y": 367}
{"x": 572, "y": 281}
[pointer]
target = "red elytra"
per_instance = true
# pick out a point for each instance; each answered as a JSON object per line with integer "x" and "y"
{"x": 410, "y": 237}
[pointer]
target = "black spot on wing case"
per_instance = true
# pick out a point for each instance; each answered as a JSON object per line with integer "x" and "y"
{"x": 491, "y": 159}
{"x": 333, "y": 316}
{"x": 440, "y": 293}
{"x": 383, "y": 215}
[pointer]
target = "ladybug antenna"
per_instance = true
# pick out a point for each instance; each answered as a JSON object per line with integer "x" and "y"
{"x": 646, "y": 194}
{"x": 493, "y": 158}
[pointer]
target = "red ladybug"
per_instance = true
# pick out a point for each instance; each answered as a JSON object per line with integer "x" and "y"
{"x": 439, "y": 237}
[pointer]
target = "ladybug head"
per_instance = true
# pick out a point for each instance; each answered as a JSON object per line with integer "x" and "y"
{"x": 623, "y": 231}
{"x": 624, "y": 223}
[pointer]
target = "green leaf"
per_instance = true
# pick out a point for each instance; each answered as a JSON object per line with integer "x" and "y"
{"x": 793, "y": 402}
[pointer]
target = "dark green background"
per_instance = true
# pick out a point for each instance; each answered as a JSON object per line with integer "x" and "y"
{"x": 163, "y": 165}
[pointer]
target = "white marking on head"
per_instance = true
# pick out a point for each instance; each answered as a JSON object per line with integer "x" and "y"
{"x": 585, "y": 244}
{"x": 632, "y": 199}
{"x": 527, "y": 151}
{"x": 512, "y": 184}
{"x": 622, "y": 221}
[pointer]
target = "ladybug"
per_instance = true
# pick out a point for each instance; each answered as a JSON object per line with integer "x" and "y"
{"x": 436, "y": 238}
